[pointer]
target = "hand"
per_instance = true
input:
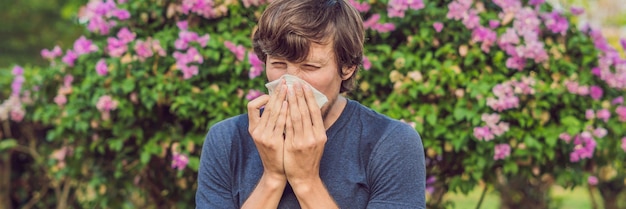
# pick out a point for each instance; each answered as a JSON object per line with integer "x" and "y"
{"x": 305, "y": 137}
{"x": 267, "y": 131}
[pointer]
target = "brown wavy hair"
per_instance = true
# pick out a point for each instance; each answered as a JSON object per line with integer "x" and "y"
{"x": 287, "y": 27}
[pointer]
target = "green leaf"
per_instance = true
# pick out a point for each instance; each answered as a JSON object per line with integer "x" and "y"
{"x": 510, "y": 168}
{"x": 7, "y": 144}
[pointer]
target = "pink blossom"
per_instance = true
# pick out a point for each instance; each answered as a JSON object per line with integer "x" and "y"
{"x": 589, "y": 114}
{"x": 189, "y": 71}
{"x": 484, "y": 35}
{"x": 100, "y": 25}
{"x": 556, "y": 23}
{"x": 603, "y": 114}
{"x": 508, "y": 6}
{"x": 203, "y": 40}
{"x": 67, "y": 80}
{"x": 618, "y": 100}
{"x": 60, "y": 99}
{"x": 493, "y": 24}
{"x": 624, "y": 144}
{"x": 508, "y": 37}
{"x": 565, "y": 137}
{"x": 536, "y": 2}
{"x": 84, "y": 46}
{"x": 372, "y": 23}
{"x": 583, "y": 90}
{"x": 115, "y": 47}
{"x": 16, "y": 85}
{"x": 253, "y": 94}
{"x": 458, "y": 9}
{"x": 471, "y": 19}
{"x": 438, "y": 26}
{"x": 483, "y": 133}
{"x": 101, "y": 67}
{"x": 500, "y": 128}
{"x": 596, "y": 71}
{"x": 17, "y": 70}
{"x": 361, "y": 7}
{"x": 577, "y": 10}
{"x": 490, "y": 119}
{"x": 182, "y": 25}
{"x": 106, "y": 103}
{"x": 143, "y": 49}
{"x": 366, "y": 63}
{"x": 203, "y": 8}
{"x": 120, "y": 14}
{"x": 501, "y": 151}
{"x": 621, "y": 113}
{"x": 47, "y": 54}
{"x": 248, "y": 3}
{"x": 592, "y": 180}
{"x": 125, "y": 35}
{"x": 17, "y": 113}
{"x": 526, "y": 21}
{"x": 584, "y": 147}
{"x": 238, "y": 50}
{"x": 179, "y": 161}
{"x": 623, "y": 43}
{"x": 257, "y": 65}
{"x": 516, "y": 63}
{"x": 600, "y": 132}
{"x": 69, "y": 58}
{"x": 596, "y": 92}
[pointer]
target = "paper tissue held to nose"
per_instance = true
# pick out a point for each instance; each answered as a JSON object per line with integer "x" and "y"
{"x": 290, "y": 80}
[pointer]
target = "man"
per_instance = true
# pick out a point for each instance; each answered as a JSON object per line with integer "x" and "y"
{"x": 287, "y": 152}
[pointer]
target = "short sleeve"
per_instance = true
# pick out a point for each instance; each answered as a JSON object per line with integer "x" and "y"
{"x": 396, "y": 171}
{"x": 214, "y": 173}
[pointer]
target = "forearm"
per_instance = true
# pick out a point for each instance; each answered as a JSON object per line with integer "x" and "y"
{"x": 313, "y": 194}
{"x": 267, "y": 193}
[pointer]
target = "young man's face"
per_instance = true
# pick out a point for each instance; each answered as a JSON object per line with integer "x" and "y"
{"x": 319, "y": 69}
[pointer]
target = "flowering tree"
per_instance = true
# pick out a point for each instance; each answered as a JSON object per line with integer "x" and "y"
{"x": 502, "y": 91}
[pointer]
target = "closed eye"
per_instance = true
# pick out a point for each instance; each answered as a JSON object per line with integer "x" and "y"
{"x": 279, "y": 64}
{"x": 310, "y": 67}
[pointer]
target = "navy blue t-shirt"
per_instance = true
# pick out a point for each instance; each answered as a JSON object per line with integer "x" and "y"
{"x": 369, "y": 161}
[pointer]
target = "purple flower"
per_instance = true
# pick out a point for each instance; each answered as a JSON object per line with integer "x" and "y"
{"x": 565, "y": 137}
{"x": 106, "y": 103}
{"x": 60, "y": 100}
{"x": 536, "y": 2}
{"x": 589, "y": 114}
{"x": 115, "y": 47}
{"x": 17, "y": 70}
{"x": 621, "y": 113}
{"x": 596, "y": 71}
{"x": 361, "y": 7}
{"x": 486, "y": 36}
{"x": 623, "y": 43}
{"x": 458, "y": 9}
{"x": 257, "y": 65}
{"x": 16, "y": 85}
{"x": 471, "y": 19}
{"x": 600, "y": 132}
{"x": 101, "y": 67}
{"x": 603, "y": 114}
{"x": 430, "y": 184}
{"x": 577, "y": 10}
{"x": 238, "y": 50}
{"x": 67, "y": 80}
{"x": 182, "y": 25}
{"x": 121, "y": 14}
{"x": 592, "y": 180}
{"x": 483, "y": 133}
{"x": 69, "y": 58}
{"x": 624, "y": 144}
{"x": 99, "y": 25}
{"x": 47, "y": 54}
{"x": 618, "y": 100}
{"x": 438, "y": 26}
{"x": 366, "y": 63}
{"x": 556, "y": 23}
{"x": 143, "y": 49}
{"x": 372, "y": 23}
{"x": 596, "y": 92}
{"x": 584, "y": 147}
{"x": 125, "y": 35}
{"x": 179, "y": 161}
{"x": 253, "y": 94}
{"x": 84, "y": 46}
{"x": 516, "y": 63}
{"x": 501, "y": 151}
{"x": 490, "y": 119}
{"x": 203, "y": 8}
{"x": 493, "y": 24}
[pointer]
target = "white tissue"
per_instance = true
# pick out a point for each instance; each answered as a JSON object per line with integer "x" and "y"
{"x": 289, "y": 80}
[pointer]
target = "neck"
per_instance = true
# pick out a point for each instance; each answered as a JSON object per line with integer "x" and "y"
{"x": 334, "y": 111}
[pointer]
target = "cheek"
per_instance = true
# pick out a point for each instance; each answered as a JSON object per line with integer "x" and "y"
{"x": 273, "y": 74}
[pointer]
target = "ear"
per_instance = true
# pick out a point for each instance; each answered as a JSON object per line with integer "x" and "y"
{"x": 346, "y": 72}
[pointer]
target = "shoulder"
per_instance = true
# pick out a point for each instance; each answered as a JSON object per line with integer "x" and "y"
{"x": 223, "y": 132}
{"x": 375, "y": 123}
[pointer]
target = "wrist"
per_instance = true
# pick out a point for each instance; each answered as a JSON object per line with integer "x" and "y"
{"x": 304, "y": 186}
{"x": 273, "y": 181}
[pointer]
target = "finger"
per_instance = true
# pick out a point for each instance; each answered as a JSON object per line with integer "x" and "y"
{"x": 307, "y": 125}
{"x": 254, "y": 110}
{"x": 289, "y": 132}
{"x": 294, "y": 110}
{"x": 280, "y": 124}
{"x": 314, "y": 109}
{"x": 272, "y": 109}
